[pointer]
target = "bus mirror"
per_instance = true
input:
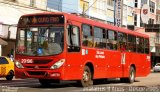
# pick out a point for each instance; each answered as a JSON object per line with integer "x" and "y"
{"x": 69, "y": 27}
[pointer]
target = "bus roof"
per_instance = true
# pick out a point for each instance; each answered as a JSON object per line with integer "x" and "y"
{"x": 92, "y": 22}
{"x": 104, "y": 25}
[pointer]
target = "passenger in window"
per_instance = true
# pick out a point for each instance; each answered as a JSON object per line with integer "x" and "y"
{"x": 85, "y": 41}
{"x": 90, "y": 44}
{"x": 108, "y": 47}
{"x": 45, "y": 44}
{"x": 123, "y": 47}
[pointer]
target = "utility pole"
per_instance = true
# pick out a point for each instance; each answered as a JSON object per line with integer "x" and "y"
{"x": 83, "y": 12}
{"x": 115, "y": 12}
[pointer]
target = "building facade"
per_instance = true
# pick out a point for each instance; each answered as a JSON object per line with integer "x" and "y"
{"x": 11, "y": 10}
{"x": 152, "y": 12}
{"x": 103, "y": 10}
{"x": 152, "y": 19}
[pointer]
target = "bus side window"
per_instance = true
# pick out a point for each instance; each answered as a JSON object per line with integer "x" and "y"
{"x": 99, "y": 38}
{"x": 146, "y": 45}
{"x": 87, "y": 36}
{"x": 131, "y": 44}
{"x": 112, "y": 40}
{"x": 122, "y": 41}
{"x": 73, "y": 39}
{"x": 140, "y": 44}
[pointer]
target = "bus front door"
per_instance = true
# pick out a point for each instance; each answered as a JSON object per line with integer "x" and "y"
{"x": 73, "y": 70}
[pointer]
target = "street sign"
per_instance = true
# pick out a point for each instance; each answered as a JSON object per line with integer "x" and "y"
{"x": 145, "y": 13}
{"x": 118, "y": 12}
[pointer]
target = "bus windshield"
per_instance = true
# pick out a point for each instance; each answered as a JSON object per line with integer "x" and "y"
{"x": 40, "y": 41}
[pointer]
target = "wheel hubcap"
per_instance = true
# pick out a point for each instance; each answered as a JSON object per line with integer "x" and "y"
{"x": 132, "y": 75}
{"x": 85, "y": 76}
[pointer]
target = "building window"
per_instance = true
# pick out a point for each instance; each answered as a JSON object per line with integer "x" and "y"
{"x": 110, "y": 2}
{"x": 10, "y": 0}
{"x": 143, "y": 2}
{"x": 152, "y": 6}
{"x": 135, "y": 19}
{"x": 142, "y": 24}
{"x": 130, "y": 10}
{"x": 151, "y": 21}
{"x": 136, "y": 3}
{"x": 101, "y": 6}
{"x": 32, "y": 3}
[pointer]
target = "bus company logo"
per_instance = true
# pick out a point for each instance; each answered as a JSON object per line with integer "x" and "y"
{"x": 36, "y": 67}
{"x": 145, "y": 11}
{"x": 34, "y": 20}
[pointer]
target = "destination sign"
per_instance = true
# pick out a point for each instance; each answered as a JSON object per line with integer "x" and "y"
{"x": 41, "y": 19}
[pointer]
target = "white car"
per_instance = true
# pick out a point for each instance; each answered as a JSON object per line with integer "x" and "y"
{"x": 156, "y": 68}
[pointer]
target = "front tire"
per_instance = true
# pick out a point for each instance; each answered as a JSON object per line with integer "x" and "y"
{"x": 10, "y": 75}
{"x": 86, "y": 78}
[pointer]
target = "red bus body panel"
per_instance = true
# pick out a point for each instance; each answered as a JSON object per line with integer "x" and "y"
{"x": 106, "y": 63}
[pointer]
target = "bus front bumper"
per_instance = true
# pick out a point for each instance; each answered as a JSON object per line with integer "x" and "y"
{"x": 39, "y": 74}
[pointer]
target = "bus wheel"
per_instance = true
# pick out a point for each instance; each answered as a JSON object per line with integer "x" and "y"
{"x": 44, "y": 82}
{"x": 86, "y": 78}
{"x": 10, "y": 75}
{"x": 132, "y": 72}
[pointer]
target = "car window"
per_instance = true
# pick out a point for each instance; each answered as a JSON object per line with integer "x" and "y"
{"x": 3, "y": 60}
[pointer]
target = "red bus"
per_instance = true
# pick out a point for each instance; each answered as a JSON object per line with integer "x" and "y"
{"x": 60, "y": 46}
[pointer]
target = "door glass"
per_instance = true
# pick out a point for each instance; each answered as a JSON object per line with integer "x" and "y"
{"x": 73, "y": 39}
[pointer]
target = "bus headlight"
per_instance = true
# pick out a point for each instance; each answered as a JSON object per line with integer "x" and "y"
{"x": 18, "y": 64}
{"x": 58, "y": 64}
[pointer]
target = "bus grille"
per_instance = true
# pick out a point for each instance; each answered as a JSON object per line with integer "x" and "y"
{"x": 42, "y": 61}
{"x": 39, "y": 67}
{"x": 36, "y": 73}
